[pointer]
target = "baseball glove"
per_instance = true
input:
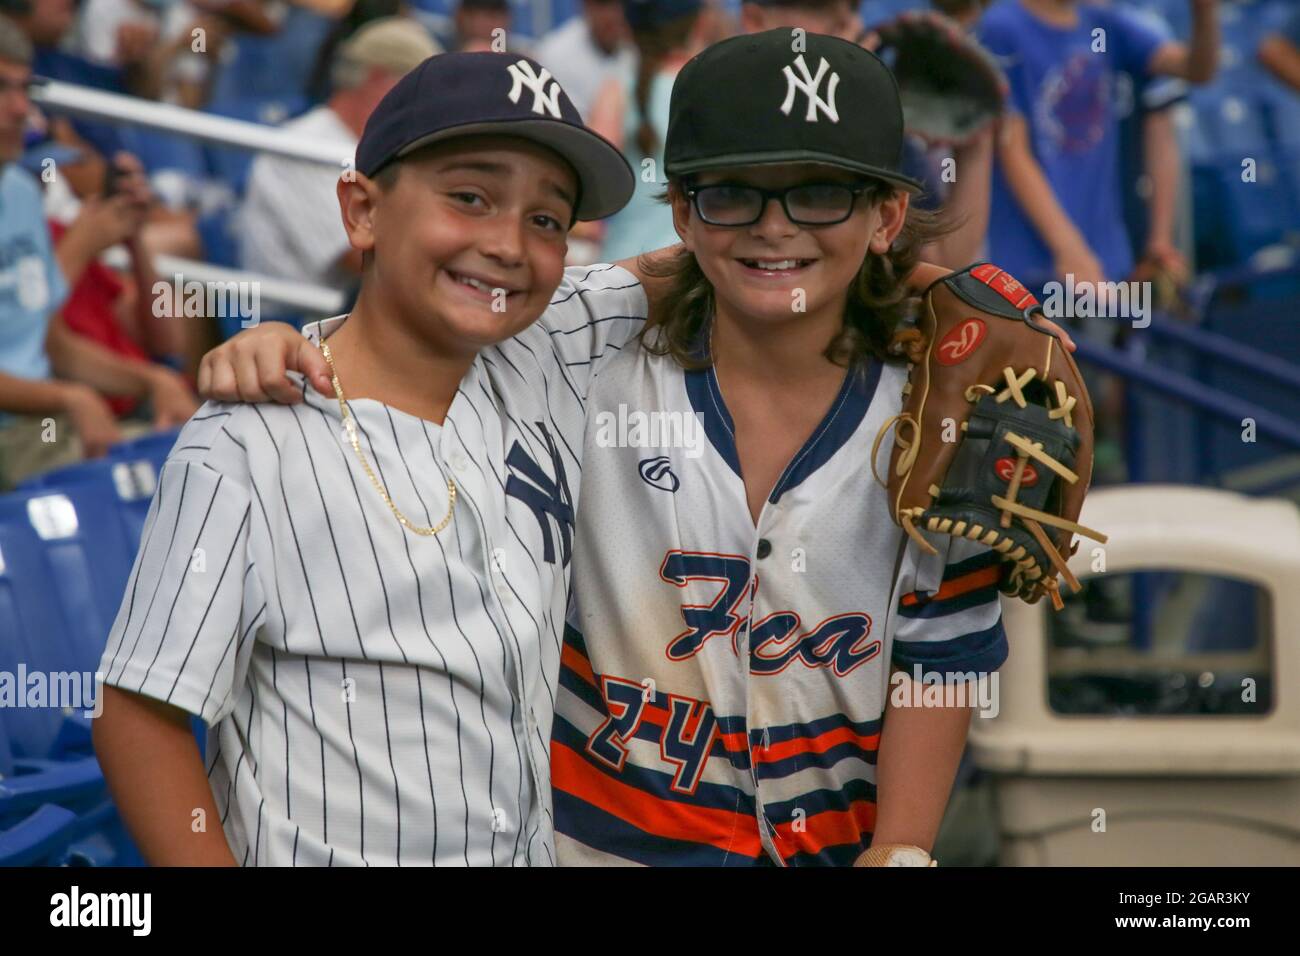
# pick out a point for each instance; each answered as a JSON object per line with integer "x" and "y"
{"x": 951, "y": 87}
{"x": 994, "y": 442}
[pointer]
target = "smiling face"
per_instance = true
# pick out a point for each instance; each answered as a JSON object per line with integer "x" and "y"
{"x": 757, "y": 270}
{"x": 468, "y": 242}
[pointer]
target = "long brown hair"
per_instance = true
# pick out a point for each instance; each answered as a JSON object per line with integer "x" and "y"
{"x": 878, "y": 301}
{"x": 653, "y": 45}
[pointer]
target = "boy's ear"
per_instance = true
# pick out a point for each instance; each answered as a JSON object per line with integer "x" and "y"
{"x": 359, "y": 197}
{"x": 893, "y": 213}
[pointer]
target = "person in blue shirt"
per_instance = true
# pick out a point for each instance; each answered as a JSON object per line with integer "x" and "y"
{"x": 51, "y": 411}
{"x": 1057, "y": 205}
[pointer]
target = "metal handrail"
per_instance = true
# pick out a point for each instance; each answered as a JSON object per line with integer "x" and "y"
{"x": 1186, "y": 389}
{"x": 1228, "y": 350}
{"x": 59, "y": 97}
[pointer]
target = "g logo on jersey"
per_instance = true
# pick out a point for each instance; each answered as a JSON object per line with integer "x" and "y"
{"x": 960, "y": 342}
{"x": 658, "y": 473}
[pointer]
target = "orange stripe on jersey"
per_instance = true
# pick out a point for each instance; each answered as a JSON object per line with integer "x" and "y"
{"x": 816, "y": 745}
{"x": 829, "y": 828}
{"x": 734, "y": 742}
{"x": 982, "y": 577}
{"x": 735, "y": 832}
{"x": 578, "y": 664}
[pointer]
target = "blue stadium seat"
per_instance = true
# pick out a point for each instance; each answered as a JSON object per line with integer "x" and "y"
{"x": 130, "y": 485}
{"x": 39, "y": 838}
{"x": 131, "y": 470}
{"x": 1258, "y": 213}
{"x": 80, "y": 565}
{"x": 1231, "y": 119}
{"x": 32, "y": 634}
{"x": 153, "y": 448}
{"x": 54, "y": 591}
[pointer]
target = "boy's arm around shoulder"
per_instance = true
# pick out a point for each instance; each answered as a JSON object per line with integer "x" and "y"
{"x": 251, "y": 366}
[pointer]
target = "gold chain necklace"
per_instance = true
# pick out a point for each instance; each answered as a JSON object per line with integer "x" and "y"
{"x": 350, "y": 426}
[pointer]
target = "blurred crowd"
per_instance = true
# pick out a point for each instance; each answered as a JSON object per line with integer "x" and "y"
{"x": 1091, "y": 171}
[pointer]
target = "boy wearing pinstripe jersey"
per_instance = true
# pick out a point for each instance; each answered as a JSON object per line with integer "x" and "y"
{"x": 362, "y": 595}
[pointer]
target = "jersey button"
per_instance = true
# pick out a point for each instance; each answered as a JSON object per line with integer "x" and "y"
{"x": 764, "y": 548}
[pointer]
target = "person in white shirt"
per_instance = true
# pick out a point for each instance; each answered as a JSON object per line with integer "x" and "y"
{"x": 296, "y": 233}
{"x": 588, "y": 50}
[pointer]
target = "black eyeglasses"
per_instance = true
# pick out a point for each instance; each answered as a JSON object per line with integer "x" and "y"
{"x": 808, "y": 204}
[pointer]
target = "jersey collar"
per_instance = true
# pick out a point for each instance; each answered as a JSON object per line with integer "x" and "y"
{"x": 841, "y": 421}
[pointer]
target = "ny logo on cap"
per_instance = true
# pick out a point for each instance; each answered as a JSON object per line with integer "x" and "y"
{"x": 544, "y": 101}
{"x": 811, "y": 87}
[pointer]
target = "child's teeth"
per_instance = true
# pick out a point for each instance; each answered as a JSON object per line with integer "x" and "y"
{"x": 781, "y": 264}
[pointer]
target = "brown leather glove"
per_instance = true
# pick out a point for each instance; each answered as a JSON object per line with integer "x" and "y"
{"x": 995, "y": 440}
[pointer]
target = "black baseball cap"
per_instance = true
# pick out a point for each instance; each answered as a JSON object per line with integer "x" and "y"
{"x": 468, "y": 94}
{"x": 764, "y": 98}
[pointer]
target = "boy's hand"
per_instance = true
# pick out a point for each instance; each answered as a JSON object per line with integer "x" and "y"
{"x": 251, "y": 367}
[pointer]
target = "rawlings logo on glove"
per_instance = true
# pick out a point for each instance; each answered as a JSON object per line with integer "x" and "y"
{"x": 1016, "y": 478}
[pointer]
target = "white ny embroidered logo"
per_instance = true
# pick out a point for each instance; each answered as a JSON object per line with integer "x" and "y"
{"x": 811, "y": 86}
{"x": 544, "y": 101}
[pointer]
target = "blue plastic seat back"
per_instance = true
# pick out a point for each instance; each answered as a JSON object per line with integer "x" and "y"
{"x": 6, "y": 748}
{"x": 32, "y": 636}
{"x": 86, "y": 558}
{"x": 154, "y": 448}
{"x": 131, "y": 483}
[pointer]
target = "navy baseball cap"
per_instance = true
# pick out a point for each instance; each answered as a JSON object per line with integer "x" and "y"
{"x": 505, "y": 94}
{"x": 825, "y": 100}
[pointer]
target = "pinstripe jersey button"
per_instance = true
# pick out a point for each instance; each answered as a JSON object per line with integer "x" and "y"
{"x": 459, "y": 463}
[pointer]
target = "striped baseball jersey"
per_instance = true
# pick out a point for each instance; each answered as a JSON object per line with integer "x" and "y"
{"x": 722, "y": 684}
{"x": 376, "y": 696}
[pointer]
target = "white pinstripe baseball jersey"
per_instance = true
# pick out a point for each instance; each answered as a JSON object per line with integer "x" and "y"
{"x": 722, "y": 685}
{"x": 376, "y": 696}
